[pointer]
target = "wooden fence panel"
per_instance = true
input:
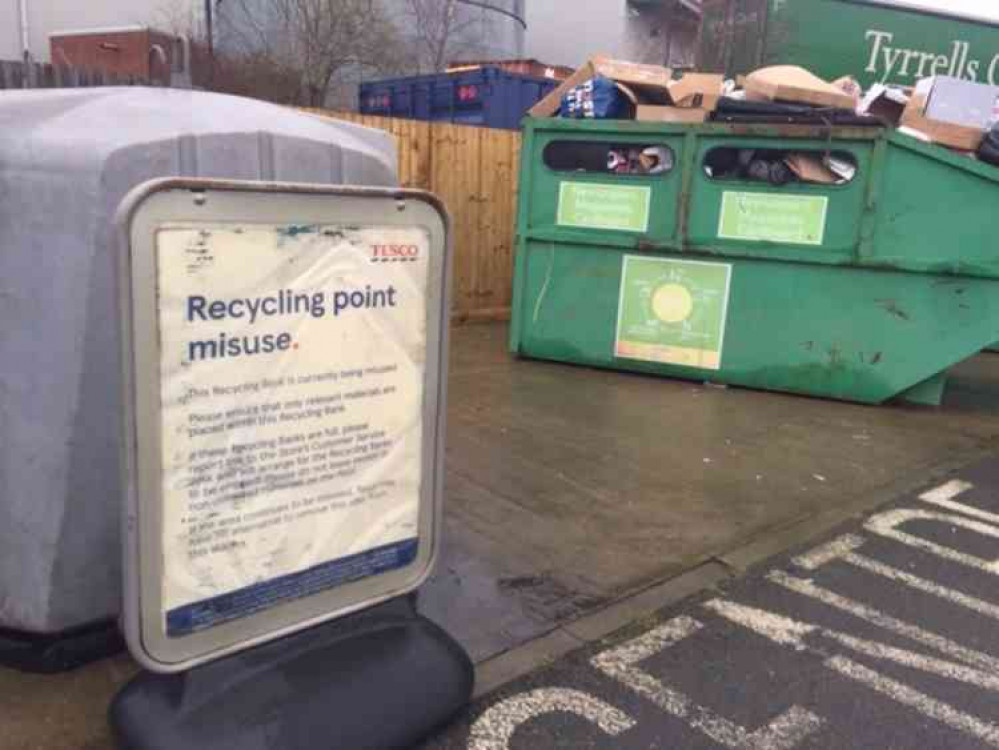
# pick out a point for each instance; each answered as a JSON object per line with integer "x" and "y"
{"x": 413, "y": 139}
{"x": 474, "y": 171}
{"x": 498, "y": 221}
{"x": 16, "y": 74}
{"x": 457, "y": 171}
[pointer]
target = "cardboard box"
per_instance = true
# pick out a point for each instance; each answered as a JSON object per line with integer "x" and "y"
{"x": 654, "y": 113}
{"x": 960, "y": 102}
{"x": 885, "y": 102}
{"x": 789, "y": 83}
{"x": 851, "y": 87}
{"x": 809, "y": 167}
{"x": 693, "y": 98}
{"x": 955, "y": 135}
{"x": 700, "y": 90}
{"x": 649, "y": 83}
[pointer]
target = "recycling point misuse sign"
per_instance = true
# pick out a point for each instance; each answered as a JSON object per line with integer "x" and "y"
{"x": 284, "y": 354}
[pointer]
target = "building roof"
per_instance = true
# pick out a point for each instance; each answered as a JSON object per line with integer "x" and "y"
{"x": 559, "y": 71}
{"x": 101, "y": 30}
{"x": 694, "y": 6}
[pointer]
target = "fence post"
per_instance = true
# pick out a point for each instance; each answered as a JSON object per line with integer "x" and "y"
{"x": 15, "y": 74}
{"x": 475, "y": 172}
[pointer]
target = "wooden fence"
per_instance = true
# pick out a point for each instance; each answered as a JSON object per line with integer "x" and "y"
{"x": 18, "y": 75}
{"x": 474, "y": 171}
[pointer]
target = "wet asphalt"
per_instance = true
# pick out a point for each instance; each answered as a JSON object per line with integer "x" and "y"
{"x": 570, "y": 489}
{"x": 884, "y": 634}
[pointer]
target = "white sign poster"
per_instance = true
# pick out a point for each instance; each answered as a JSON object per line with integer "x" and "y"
{"x": 292, "y": 370}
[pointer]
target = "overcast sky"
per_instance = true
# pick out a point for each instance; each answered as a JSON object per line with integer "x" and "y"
{"x": 981, "y": 8}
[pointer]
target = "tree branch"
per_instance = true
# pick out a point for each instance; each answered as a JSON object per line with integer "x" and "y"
{"x": 495, "y": 9}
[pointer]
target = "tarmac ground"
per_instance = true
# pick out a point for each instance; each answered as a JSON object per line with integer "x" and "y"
{"x": 576, "y": 498}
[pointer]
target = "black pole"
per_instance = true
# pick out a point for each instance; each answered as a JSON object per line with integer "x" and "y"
{"x": 210, "y": 41}
{"x": 672, "y": 13}
{"x": 209, "y": 32}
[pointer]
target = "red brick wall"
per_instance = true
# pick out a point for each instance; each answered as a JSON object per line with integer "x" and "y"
{"x": 125, "y": 52}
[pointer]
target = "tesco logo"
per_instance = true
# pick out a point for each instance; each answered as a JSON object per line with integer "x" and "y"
{"x": 394, "y": 253}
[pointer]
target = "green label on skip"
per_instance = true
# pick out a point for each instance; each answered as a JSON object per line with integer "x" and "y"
{"x": 766, "y": 217}
{"x": 673, "y": 311}
{"x": 620, "y": 207}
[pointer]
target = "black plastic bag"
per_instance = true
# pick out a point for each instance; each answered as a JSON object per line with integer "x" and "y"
{"x": 598, "y": 99}
{"x": 989, "y": 150}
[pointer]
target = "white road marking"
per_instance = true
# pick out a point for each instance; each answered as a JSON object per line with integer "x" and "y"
{"x": 783, "y": 733}
{"x": 875, "y": 617}
{"x": 792, "y": 633}
{"x": 844, "y": 548}
{"x": 620, "y": 662}
{"x": 908, "y": 696}
{"x": 788, "y": 632}
{"x": 774, "y": 627}
{"x": 947, "y": 491}
{"x": 495, "y": 728}
{"x": 944, "y": 498}
{"x": 777, "y": 628}
{"x": 886, "y": 525}
{"x": 939, "y": 667}
{"x": 838, "y": 549}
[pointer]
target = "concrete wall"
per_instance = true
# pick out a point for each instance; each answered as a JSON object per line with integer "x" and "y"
{"x": 507, "y": 38}
{"x": 569, "y": 32}
{"x": 10, "y": 45}
{"x": 241, "y": 23}
{"x": 46, "y": 16}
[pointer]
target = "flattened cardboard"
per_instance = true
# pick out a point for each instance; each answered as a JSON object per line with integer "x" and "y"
{"x": 851, "y": 87}
{"x": 789, "y": 83}
{"x": 648, "y": 82}
{"x": 634, "y": 73}
{"x": 550, "y": 104}
{"x": 687, "y": 115}
{"x": 959, "y": 137}
{"x": 697, "y": 90}
{"x": 918, "y": 135}
{"x": 808, "y": 167}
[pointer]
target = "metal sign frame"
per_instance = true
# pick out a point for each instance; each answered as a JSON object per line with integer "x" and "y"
{"x": 143, "y": 211}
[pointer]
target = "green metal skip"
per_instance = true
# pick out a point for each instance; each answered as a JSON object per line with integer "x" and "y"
{"x": 864, "y": 291}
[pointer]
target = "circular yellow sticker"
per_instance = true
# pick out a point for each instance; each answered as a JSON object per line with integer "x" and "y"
{"x": 672, "y": 303}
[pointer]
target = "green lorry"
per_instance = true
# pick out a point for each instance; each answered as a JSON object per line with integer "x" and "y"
{"x": 877, "y": 42}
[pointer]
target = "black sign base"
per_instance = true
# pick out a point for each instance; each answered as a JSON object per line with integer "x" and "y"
{"x": 59, "y": 652}
{"x": 382, "y": 679}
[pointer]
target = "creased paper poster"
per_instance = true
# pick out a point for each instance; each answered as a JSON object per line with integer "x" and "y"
{"x": 292, "y": 365}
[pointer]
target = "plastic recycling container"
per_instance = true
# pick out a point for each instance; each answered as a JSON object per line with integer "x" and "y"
{"x": 649, "y": 247}
{"x": 67, "y": 157}
{"x": 489, "y": 97}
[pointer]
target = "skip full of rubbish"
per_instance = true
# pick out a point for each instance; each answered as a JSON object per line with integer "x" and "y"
{"x": 950, "y": 112}
{"x": 650, "y": 160}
